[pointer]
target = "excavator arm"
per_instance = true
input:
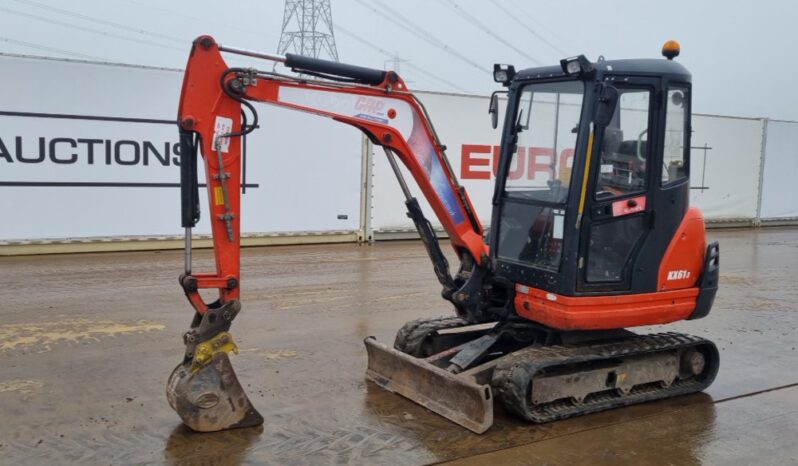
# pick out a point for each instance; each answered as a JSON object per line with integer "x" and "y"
{"x": 375, "y": 101}
{"x": 212, "y": 120}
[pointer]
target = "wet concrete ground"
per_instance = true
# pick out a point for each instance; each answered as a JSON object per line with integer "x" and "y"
{"x": 87, "y": 342}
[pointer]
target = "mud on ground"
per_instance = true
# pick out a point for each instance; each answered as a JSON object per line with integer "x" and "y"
{"x": 87, "y": 342}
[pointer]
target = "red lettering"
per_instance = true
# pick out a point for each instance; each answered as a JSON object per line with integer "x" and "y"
{"x": 520, "y": 163}
{"x": 535, "y": 167}
{"x": 529, "y": 161}
{"x": 468, "y": 160}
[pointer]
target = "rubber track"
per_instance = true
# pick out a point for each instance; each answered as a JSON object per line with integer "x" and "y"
{"x": 512, "y": 376}
{"x": 410, "y": 338}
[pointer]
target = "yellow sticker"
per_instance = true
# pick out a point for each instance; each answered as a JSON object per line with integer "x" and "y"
{"x": 565, "y": 175}
{"x": 218, "y": 195}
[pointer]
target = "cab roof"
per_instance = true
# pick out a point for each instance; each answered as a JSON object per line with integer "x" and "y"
{"x": 634, "y": 66}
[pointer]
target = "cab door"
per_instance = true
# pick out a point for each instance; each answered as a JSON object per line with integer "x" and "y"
{"x": 618, "y": 214}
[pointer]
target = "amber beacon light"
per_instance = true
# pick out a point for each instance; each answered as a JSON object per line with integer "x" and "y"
{"x": 671, "y": 49}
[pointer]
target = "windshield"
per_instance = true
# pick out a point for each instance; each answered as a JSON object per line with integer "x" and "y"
{"x": 532, "y": 220}
{"x": 547, "y": 125}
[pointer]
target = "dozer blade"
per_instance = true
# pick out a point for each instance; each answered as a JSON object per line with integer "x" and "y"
{"x": 456, "y": 397}
{"x": 211, "y": 398}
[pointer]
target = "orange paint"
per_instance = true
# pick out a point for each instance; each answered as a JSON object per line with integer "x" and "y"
{"x": 603, "y": 312}
{"x": 683, "y": 261}
{"x": 203, "y": 102}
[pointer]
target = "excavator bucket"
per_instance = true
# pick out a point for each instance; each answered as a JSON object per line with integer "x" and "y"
{"x": 210, "y": 398}
{"x": 461, "y": 398}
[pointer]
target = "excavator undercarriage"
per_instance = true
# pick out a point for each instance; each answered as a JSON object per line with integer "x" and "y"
{"x": 457, "y": 370}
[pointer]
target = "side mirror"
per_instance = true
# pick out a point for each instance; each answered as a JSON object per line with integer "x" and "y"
{"x": 493, "y": 108}
{"x": 605, "y": 108}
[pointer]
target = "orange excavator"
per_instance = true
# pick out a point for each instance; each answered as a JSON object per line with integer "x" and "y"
{"x": 601, "y": 241}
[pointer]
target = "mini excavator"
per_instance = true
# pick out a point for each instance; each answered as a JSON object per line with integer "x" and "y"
{"x": 603, "y": 240}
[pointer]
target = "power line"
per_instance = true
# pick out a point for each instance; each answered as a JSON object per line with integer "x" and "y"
{"x": 476, "y": 22}
{"x": 33, "y": 45}
{"x": 371, "y": 45}
{"x": 437, "y": 78}
{"x": 422, "y": 33}
{"x": 408, "y": 26}
{"x": 93, "y": 31}
{"x": 387, "y": 53}
{"x": 100, "y": 21}
{"x": 197, "y": 19}
{"x": 529, "y": 29}
{"x": 519, "y": 7}
{"x": 408, "y": 22}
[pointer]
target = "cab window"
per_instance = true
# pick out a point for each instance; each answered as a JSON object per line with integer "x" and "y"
{"x": 532, "y": 225}
{"x": 674, "y": 163}
{"x": 623, "y": 163}
{"x": 547, "y": 122}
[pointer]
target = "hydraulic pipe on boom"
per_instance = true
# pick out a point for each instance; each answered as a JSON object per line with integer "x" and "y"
{"x": 212, "y": 124}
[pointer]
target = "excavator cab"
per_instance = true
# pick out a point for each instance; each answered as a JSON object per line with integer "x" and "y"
{"x": 593, "y": 185}
{"x": 591, "y": 234}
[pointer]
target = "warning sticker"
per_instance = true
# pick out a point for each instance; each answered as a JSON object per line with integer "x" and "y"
{"x": 559, "y": 224}
{"x": 223, "y": 126}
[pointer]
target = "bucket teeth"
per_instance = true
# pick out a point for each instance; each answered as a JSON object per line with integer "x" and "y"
{"x": 210, "y": 398}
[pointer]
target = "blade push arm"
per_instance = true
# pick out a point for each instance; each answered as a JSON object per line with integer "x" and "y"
{"x": 375, "y": 101}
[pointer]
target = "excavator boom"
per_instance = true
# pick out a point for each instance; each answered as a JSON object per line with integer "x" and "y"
{"x": 214, "y": 113}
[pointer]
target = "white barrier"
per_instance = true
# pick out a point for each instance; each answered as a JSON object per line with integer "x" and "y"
{"x": 73, "y": 176}
{"x": 780, "y": 186}
{"x": 725, "y": 177}
{"x": 90, "y": 150}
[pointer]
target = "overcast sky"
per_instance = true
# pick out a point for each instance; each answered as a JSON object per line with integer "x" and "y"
{"x": 741, "y": 53}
